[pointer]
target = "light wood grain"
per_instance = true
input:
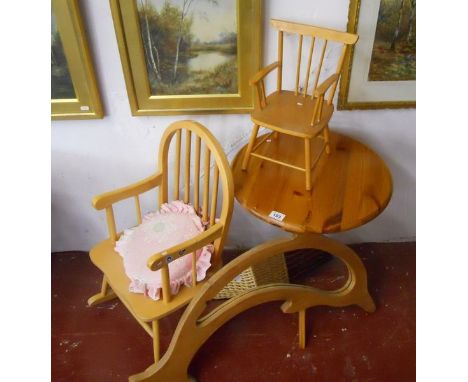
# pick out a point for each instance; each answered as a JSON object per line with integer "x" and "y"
{"x": 349, "y": 187}
{"x": 155, "y": 335}
{"x": 206, "y": 185}
{"x": 166, "y": 281}
{"x": 195, "y": 327}
{"x": 279, "y": 79}
{"x": 309, "y": 30}
{"x": 298, "y": 64}
{"x": 107, "y": 199}
{"x": 137, "y": 209}
{"x": 291, "y": 114}
{"x": 302, "y": 329}
{"x": 107, "y": 260}
{"x": 309, "y": 63}
{"x": 283, "y": 111}
{"x": 188, "y": 149}
{"x": 115, "y": 282}
{"x": 196, "y": 186}
{"x": 325, "y": 85}
{"x": 177, "y": 164}
{"x": 111, "y": 223}
{"x": 262, "y": 73}
{"x": 214, "y": 195}
{"x": 319, "y": 68}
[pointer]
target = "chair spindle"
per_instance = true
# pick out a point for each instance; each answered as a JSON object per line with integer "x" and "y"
{"x": 214, "y": 195}
{"x": 280, "y": 61}
{"x": 196, "y": 179}
{"x": 166, "y": 288}
{"x": 188, "y": 146}
{"x": 309, "y": 62}
{"x": 338, "y": 71}
{"x": 206, "y": 188}
{"x": 155, "y": 335}
{"x": 319, "y": 68}
{"x": 111, "y": 223}
{"x": 316, "y": 112}
{"x": 177, "y": 165}
{"x": 317, "y": 116}
{"x": 259, "y": 96}
{"x": 194, "y": 268}
{"x": 138, "y": 208}
{"x": 298, "y": 66}
{"x": 262, "y": 87}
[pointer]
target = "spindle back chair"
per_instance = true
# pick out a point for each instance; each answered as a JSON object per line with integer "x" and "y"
{"x": 298, "y": 113}
{"x": 215, "y": 169}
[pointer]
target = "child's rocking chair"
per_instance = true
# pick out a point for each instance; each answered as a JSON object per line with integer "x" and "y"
{"x": 115, "y": 282}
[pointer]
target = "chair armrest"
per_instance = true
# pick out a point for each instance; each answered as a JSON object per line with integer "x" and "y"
{"x": 109, "y": 198}
{"x": 158, "y": 260}
{"x": 263, "y": 72}
{"x": 323, "y": 87}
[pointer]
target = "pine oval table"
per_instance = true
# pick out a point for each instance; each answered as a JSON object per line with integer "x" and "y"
{"x": 350, "y": 186}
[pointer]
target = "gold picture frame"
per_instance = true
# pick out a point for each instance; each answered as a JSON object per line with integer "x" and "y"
{"x": 136, "y": 50}
{"x": 345, "y": 102}
{"x": 74, "y": 92}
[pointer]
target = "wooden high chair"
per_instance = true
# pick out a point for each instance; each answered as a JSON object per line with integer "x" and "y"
{"x": 297, "y": 112}
{"x": 115, "y": 282}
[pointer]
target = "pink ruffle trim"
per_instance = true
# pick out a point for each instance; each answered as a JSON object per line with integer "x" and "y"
{"x": 153, "y": 289}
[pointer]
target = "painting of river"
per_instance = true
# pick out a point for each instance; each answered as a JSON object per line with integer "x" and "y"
{"x": 61, "y": 82}
{"x": 190, "y": 46}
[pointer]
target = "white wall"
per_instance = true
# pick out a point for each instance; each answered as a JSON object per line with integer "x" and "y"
{"x": 90, "y": 157}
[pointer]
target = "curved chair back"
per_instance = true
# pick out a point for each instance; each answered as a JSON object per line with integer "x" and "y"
{"x": 199, "y": 166}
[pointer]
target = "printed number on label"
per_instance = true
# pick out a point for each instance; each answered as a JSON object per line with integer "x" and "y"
{"x": 277, "y": 215}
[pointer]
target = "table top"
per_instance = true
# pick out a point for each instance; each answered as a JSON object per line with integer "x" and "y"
{"x": 350, "y": 186}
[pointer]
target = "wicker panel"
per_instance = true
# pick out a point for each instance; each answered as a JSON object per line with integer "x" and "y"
{"x": 291, "y": 267}
{"x": 272, "y": 270}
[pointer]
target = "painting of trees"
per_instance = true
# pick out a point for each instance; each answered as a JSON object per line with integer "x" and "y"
{"x": 394, "y": 50}
{"x": 61, "y": 82}
{"x": 186, "y": 50}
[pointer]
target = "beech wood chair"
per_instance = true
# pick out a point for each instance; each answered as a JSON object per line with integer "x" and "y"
{"x": 297, "y": 112}
{"x": 115, "y": 282}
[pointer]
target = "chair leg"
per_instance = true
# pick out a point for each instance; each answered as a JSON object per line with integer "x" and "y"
{"x": 156, "y": 340}
{"x": 307, "y": 143}
{"x": 326, "y": 137}
{"x": 302, "y": 329}
{"x": 253, "y": 136}
{"x": 104, "y": 295}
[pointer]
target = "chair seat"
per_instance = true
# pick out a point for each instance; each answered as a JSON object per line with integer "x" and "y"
{"x": 291, "y": 114}
{"x": 110, "y": 263}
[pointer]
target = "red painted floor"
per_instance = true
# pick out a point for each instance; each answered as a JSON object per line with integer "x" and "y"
{"x": 106, "y": 344}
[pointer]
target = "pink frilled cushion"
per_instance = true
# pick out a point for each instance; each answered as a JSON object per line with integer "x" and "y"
{"x": 175, "y": 223}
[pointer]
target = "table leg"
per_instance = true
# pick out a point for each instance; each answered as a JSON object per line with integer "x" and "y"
{"x": 302, "y": 328}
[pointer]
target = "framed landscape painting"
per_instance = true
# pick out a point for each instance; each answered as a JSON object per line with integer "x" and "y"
{"x": 74, "y": 93}
{"x": 188, "y": 56}
{"x": 380, "y": 71}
